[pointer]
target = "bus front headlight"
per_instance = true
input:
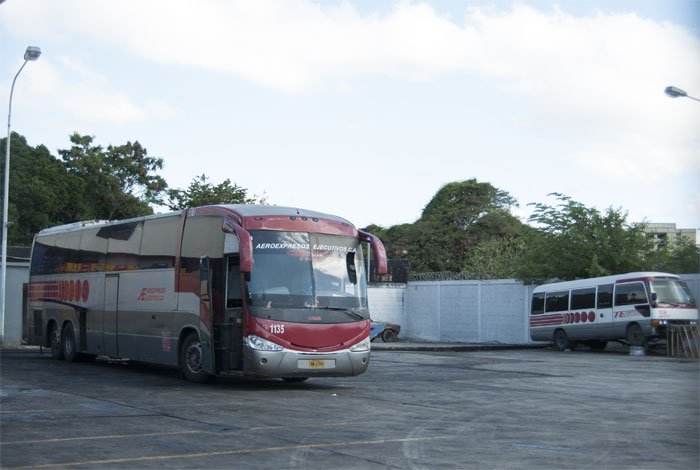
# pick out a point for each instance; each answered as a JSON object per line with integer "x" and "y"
{"x": 361, "y": 346}
{"x": 261, "y": 344}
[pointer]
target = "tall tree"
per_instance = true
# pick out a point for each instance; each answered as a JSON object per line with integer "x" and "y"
{"x": 201, "y": 192}
{"x": 574, "y": 241}
{"x": 120, "y": 181}
{"x": 42, "y": 192}
{"x": 458, "y": 218}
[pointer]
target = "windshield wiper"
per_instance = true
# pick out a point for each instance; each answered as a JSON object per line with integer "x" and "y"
{"x": 349, "y": 311}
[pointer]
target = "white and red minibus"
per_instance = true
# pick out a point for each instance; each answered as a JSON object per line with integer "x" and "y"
{"x": 264, "y": 291}
{"x": 634, "y": 308}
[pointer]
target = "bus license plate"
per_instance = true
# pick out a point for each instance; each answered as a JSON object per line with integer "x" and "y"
{"x": 316, "y": 363}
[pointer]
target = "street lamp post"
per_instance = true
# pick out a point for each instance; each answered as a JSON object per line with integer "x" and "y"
{"x": 32, "y": 53}
{"x": 675, "y": 92}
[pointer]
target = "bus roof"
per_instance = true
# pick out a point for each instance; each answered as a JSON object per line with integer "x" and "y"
{"x": 596, "y": 281}
{"x": 243, "y": 211}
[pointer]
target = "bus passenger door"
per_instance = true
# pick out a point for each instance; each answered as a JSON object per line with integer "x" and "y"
{"x": 604, "y": 312}
{"x": 230, "y": 331}
{"x": 110, "y": 318}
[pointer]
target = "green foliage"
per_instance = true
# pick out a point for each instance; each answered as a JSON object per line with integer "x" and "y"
{"x": 463, "y": 204}
{"x": 574, "y": 241}
{"x": 201, "y": 192}
{"x": 92, "y": 182}
{"x": 458, "y": 218}
{"x": 496, "y": 258}
{"x": 681, "y": 257}
{"x": 42, "y": 192}
{"x": 119, "y": 181}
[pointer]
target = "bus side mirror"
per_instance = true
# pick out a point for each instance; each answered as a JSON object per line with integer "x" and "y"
{"x": 352, "y": 270}
{"x": 204, "y": 278}
{"x": 653, "y": 296}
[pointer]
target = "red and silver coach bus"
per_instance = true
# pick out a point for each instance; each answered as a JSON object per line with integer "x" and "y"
{"x": 260, "y": 290}
{"x": 633, "y": 307}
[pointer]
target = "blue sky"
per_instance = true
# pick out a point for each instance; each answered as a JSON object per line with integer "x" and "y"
{"x": 365, "y": 109}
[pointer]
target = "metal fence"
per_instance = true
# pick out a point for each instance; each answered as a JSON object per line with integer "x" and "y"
{"x": 683, "y": 341}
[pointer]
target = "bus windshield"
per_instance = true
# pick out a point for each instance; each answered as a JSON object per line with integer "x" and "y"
{"x": 295, "y": 272}
{"x": 672, "y": 292}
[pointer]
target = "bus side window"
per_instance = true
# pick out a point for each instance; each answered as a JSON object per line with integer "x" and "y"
{"x": 583, "y": 299}
{"x": 630, "y": 294}
{"x": 556, "y": 301}
{"x": 233, "y": 283}
{"x": 537, "y": 307}
{"x": 605, "y": 296}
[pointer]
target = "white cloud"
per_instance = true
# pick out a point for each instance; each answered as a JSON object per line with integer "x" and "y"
{"x": 86, "y": 96}
{"x": 595, "y": 82}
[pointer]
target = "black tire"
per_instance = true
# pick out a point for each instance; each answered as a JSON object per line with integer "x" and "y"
{"x": 294, "y": 379}
{"x": 192, "y": 360}
{"x": 70, "y": 347}
{"x": 635, "y": 335}
{"x": 561, "y": 341}
{"x": 388, "y": 335}
{"x": 55, "y": 342}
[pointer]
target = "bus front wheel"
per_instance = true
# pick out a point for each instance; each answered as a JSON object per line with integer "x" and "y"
{"x": 192, "y": 360}
{"x": 635, "y": 335}
{"x": 561, "y": 340}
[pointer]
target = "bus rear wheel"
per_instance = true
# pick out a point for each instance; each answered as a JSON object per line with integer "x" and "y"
{"x": 561, "y": 340}
{"x": 55, "y": 342}
{"x": 70, "y": 348}
{"x": 192, "y": 360}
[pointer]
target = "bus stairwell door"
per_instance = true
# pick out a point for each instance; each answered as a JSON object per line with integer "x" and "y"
{"x": 110, "y": 325}
{"x": 228, "y": 326}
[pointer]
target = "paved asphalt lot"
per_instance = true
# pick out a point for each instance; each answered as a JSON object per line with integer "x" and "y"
{"x": 503, "y": 409}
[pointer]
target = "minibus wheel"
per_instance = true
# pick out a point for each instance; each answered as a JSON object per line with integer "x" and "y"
{"x": 635, "y": 335}
{"x": 561, "y": 340}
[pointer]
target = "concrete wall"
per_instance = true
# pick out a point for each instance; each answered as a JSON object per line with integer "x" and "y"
{"x": 386, "y": 303}
{"x": 17, "y": 274}
{"x": 467, "y": 311}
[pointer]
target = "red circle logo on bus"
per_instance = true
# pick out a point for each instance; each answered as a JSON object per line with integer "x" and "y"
{"x": 577, "y": 317}
{"x": 591, "y": 317}
{"x": 76, "y": 291}
{"x": 86, "y": 290}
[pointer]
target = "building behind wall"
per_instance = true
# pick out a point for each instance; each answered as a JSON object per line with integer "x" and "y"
{"x": 667, "y": 234}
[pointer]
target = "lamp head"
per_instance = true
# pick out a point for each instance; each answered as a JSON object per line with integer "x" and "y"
{"x": 32, "y": 53}
{"x": 675, "y": 92}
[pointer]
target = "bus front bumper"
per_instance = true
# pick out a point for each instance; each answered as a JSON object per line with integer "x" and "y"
{"x": 288, "y": 363}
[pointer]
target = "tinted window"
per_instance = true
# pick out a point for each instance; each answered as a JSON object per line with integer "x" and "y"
{"x": 557, "y": 301}
{"x": 159, "y": 243}
{"x": 630, "y": 294}
{"x": 605, "y": 296}
{"x": 123, "y": 250}
{"x": 537, "y": 306}
{"x": 583, "y": 299}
